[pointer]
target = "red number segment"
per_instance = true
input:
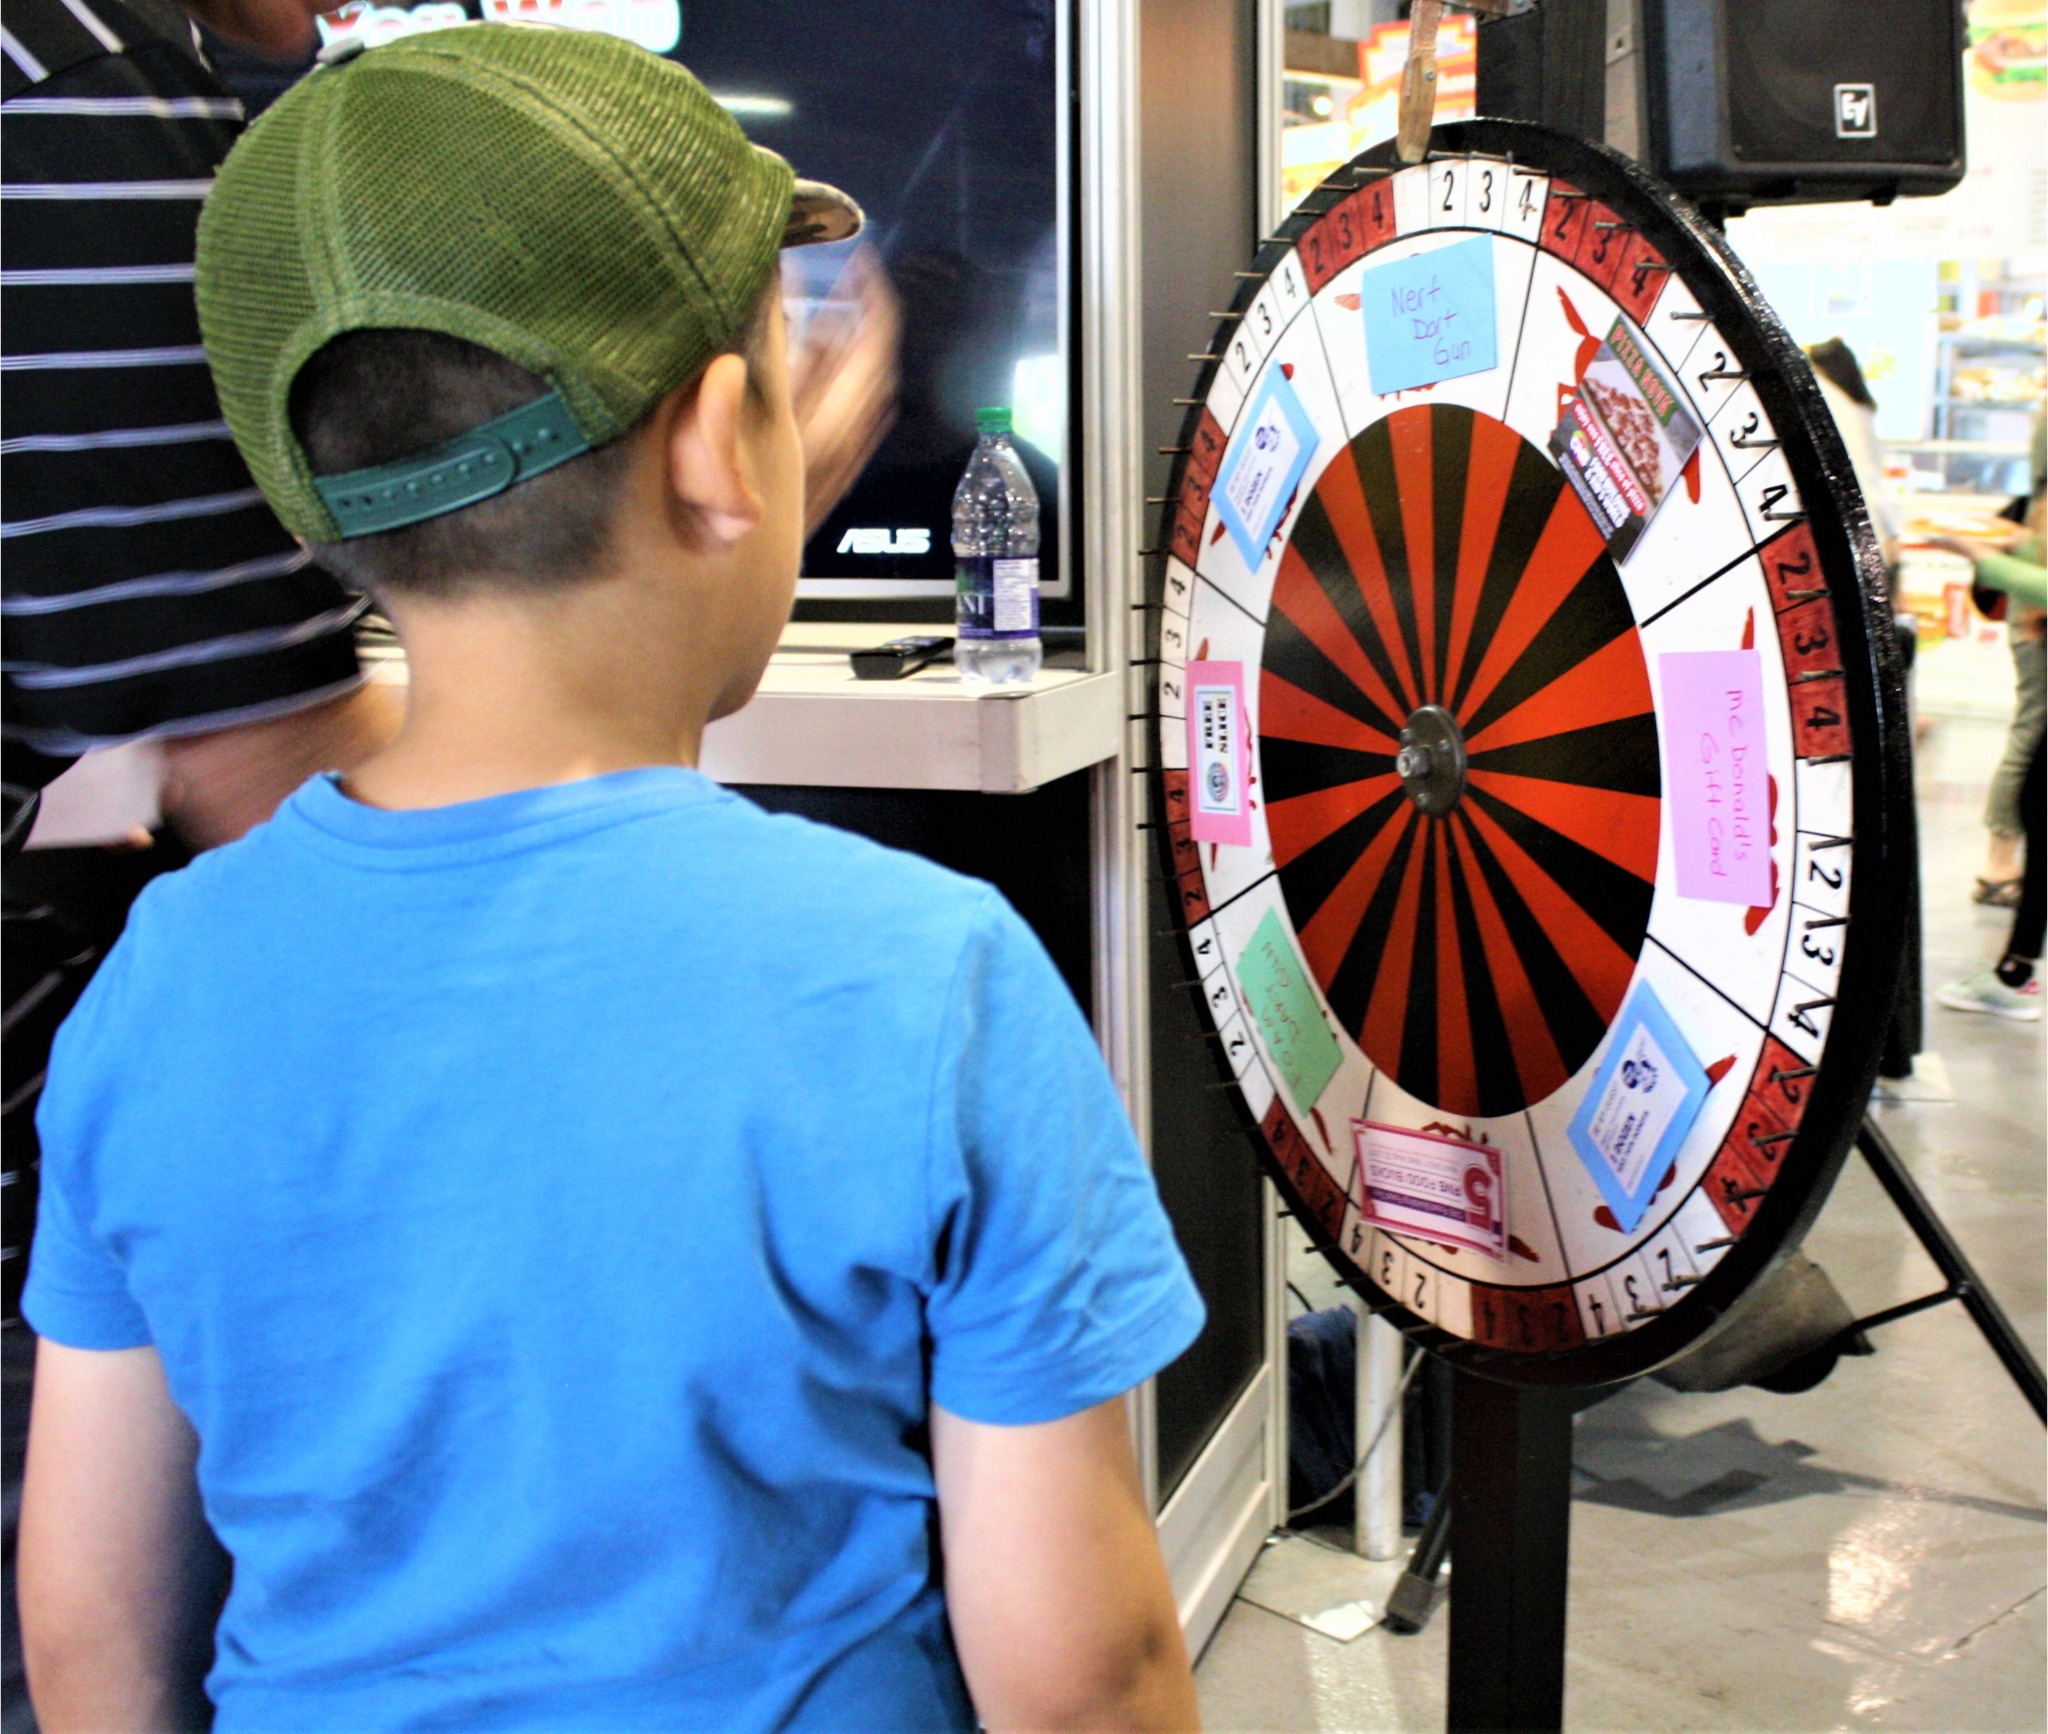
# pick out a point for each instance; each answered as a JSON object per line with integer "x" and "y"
{"x": 1792, "y": 568}
{"x": 1754, "y": 1150}
{"x": 1187, "y": 854}
{"x": 1321, "y": 1194}
{"x": 1564, "y": 220}
{"x": 1191, "y": 506}
{"x": 1807, "y": 633}
{"x": 1333, "y": 242}
{"x": 1782, "y": 1082}
{"x": 1205, "y": 450}
{"x": 1820, "y": 718}
{"x": 1531, "y": 1320}
{"x": 1190, "y": 513}
{"x": 1639, "y": 278}
{"x": 1602, "y": 242}
{"x": 1375, "y": 206}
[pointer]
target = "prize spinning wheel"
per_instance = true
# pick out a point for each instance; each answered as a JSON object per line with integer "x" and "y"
{"x": 1531, "y": 752}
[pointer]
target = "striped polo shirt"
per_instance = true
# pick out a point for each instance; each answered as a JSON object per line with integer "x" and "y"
{"x": 147, "y": 587}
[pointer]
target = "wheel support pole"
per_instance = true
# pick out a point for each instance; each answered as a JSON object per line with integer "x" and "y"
{"x": 1955, "y": 1268}
{"x": 1511, "y": 1465}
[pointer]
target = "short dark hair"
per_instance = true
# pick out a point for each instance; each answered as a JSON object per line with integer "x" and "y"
{"x": 1836, "y": 362}
{"x": 380, "y": 394}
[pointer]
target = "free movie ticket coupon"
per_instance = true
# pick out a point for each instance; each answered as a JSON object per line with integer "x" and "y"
{"x": 1432, "y": 1187}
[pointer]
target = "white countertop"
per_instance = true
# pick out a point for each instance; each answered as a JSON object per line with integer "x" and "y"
{"x": 813, "y": 723}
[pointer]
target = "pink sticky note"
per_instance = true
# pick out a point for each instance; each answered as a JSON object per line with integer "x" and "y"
{"x": 1219, "y": 753}
{"x": 1717, "y": 776}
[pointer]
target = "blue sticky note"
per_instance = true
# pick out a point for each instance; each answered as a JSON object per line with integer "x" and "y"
{"x": 1644, "y": 1099}
{"x": 1430, "y": 317}
{"x": 1268, "y": 452}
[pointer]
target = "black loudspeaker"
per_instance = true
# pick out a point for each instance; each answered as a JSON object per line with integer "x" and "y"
{"x": 1746, "y": 102}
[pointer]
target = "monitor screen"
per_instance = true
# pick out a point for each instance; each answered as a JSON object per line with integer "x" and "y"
{"x": 942, "y": 120}
{"x": 942, "y": 117}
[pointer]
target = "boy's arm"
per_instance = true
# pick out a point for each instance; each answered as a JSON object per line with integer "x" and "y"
{"x": 1059, "y": 1601}
{"x": 120, "y": 1579}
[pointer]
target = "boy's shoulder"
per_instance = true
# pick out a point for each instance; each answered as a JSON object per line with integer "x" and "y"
{"x": 659, "y": 845}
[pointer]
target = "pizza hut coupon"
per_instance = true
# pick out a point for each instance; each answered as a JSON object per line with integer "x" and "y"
{"x": 1624, "y": 438}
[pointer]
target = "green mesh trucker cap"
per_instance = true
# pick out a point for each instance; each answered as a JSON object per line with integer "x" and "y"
{"x": 577, "y": 204}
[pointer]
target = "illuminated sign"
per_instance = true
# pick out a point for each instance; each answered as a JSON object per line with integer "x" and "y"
{"x": 653, "y": 24}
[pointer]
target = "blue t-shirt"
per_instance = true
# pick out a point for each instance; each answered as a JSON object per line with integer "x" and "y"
{"x": 556, "y": 1214}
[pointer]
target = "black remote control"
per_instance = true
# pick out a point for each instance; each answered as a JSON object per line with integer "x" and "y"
{"x": 897, "y": 658}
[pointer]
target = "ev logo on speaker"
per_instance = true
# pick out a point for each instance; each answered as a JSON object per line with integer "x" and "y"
{"x": 1855, "y": 111}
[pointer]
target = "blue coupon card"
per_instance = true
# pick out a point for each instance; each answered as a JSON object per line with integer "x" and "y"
{"x": 1644, "y": 1099}
{"x": 1270, "y": 449}
{"x": 1430, "y": 317}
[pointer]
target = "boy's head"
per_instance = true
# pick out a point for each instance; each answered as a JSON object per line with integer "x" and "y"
{"x": 460, "y": 291}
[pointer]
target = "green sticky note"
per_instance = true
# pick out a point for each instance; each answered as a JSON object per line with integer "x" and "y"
{"x": 1284, "y": 1007}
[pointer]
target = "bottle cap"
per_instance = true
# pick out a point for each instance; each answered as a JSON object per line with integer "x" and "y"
{"x": 996, "y": 420}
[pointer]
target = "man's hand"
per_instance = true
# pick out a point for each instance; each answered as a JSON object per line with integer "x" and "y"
{"x": 216, "y": 786}
{"x": 1059, "y": 1601}
{"x": 282, "y": 29}
{"x": 120, "y": 1579}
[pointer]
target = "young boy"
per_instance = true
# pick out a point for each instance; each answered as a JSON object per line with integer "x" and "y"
{"x": 634, "y": 1262}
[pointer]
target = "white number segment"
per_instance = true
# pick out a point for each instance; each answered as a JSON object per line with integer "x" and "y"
{"x": 1598, "y": 1315}
{"x": 1741, "y": 432}
{"x": 1342, "y": 322}
{"x": 1221, "y": 561}
{"x": 1813, "y": 952}
{"x": 1670, "y": 1263}
{"x": 1273, "y": 309}
{"x": 1826, "y": 799}
{"x": 1550, "y": 345}
{"x": 1528, "y": 195}
{"x": 1769, "y": 500}
{"x": 1710, "y": 374}
{"x": 1489, "y": 189}
{"x": 1738, "y": 950}
{"x": 1533, "y": 1258}
{"x": 1674, "y": 325}
{"x": 1820, "y": 874}
{"x": 1411, "y": 201}
{"x": 1802, "y": 1019}
{"x": 1724, "y": 1042}
{"x": 1632, "y": 1292}
{"x": 1226, "y": 392}
{"x": 1448, "y": 178}
{"x": 1701, "y": 1231}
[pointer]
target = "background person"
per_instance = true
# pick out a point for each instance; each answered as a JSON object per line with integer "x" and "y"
{"x": 2011, "y": 988}
{"x": 157, "y": 616}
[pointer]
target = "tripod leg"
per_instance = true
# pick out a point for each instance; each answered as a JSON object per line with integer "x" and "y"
{"x": 1414, "y": 1596}
{"x": 1511, "y": 1477}
{"x": 1955, "y": 1268}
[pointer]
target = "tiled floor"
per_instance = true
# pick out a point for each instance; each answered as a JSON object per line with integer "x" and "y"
{"x": 1867, "y": 1555}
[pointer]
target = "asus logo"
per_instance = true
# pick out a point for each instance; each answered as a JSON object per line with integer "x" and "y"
{"x": 916, "y": 540}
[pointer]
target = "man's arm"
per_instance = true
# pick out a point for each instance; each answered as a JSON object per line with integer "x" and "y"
{"x": 120, "y": 1579}
{"x": 1059, "y": 1600}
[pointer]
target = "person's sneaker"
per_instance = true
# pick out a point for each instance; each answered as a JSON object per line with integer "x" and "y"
{"x": 1984, "y": 992}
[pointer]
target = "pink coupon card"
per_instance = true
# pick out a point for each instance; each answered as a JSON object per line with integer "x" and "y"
{"x": 1717, "y": 788}
{"x": 1219, "y": 753}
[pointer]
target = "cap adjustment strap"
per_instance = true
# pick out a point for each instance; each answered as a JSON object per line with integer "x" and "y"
{"x": 459, "y": 472}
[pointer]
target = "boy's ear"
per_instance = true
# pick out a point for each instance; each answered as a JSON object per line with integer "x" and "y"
{"x": 704, "y": 442}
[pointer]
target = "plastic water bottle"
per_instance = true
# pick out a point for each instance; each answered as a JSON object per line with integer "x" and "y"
{"x": 995, "y": 553}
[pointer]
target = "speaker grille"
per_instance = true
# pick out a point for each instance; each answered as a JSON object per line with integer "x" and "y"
{"x": 1806, "y": 77}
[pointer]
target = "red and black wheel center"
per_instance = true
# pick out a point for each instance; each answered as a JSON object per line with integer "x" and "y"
{"x": 1459, "y": 754}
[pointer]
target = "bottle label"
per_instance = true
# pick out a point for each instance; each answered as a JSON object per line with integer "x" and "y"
{"x": 997, "y": 596}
